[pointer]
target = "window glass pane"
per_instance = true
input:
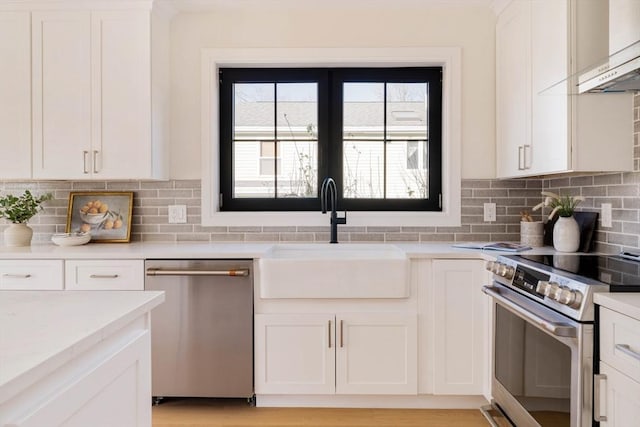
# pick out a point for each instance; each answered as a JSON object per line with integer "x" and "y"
{"x": 407, "y": 176}
{"x": 253, "y": 111}
{"x": 297, "y": 110}
{"x": 298, "y": 170}
{"x": 252, "y": 176}
{"x": 363, "y": 111}
{"x": 407, "y": 111}
{"x": 363, "y": 169}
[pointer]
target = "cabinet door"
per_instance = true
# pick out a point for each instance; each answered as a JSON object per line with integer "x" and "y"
{"x": 377, "y": 354}
{"x": 621, "y": 400}
{"x": 15, "y": 102}
{"x": 460, "y": 327}
{"x": 121, "y": 94}
{"x": 61, "y": 60}
{"x": 513, "y": 90}
{"x": 108, "y": 275}
{"x": 294, "y": 354}
{"x": 34, "y": 275}
{"x": 550, "y": 52}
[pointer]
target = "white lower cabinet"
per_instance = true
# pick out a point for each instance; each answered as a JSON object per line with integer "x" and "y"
{"x": 359, "y": 353}
{"x": 104, "y": 275}
{"x": 619, "y": 398}
{"x": 454, "y": 327}
{"x": 34, "y": 275}
{"x": 107, "y": 385}
{"x": 617, "y": 388}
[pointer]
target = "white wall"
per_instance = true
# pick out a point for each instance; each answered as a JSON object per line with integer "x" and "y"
{"x": 470, "y": 26}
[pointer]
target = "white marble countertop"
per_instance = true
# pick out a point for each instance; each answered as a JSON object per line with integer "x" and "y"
{"x": 41, "y": 330}
{"x": 627, "y": 303}
{"x": 201, "y": 250}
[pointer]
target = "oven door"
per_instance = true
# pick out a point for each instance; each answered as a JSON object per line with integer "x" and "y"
{"x": 542, "y": 363}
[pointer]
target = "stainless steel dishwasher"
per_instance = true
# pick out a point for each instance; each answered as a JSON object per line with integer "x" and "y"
{"x": 202, "y": 336}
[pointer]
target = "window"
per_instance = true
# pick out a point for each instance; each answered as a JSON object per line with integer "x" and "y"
{"x": 376, "y": 131}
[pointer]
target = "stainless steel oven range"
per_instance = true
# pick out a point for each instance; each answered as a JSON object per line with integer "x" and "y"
{"x": 543, "y": 338}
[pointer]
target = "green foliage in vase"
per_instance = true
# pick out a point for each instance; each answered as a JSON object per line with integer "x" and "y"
{"x": 21, "y": 209}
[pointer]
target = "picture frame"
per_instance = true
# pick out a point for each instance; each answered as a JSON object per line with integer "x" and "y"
{"x": 105, "y": 214}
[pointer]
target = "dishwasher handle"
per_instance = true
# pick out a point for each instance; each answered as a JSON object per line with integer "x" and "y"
{"x": 230, "y": 273}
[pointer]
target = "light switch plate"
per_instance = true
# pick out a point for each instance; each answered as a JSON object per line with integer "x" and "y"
{"x": 177, "y": 214}
{"x": 489, "y": 212}
{"x": 606, "y": 217}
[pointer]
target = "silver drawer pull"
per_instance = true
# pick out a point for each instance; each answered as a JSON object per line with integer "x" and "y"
{"x": 597, "y": 397}
{"x": 232, "y": 273}
{"x": 103, "y": 276}
{"x": 627, "y": 350}
{"x": 16, "y": 276}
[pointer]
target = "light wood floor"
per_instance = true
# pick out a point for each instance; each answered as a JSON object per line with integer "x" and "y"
{"x": 233, "y": 413}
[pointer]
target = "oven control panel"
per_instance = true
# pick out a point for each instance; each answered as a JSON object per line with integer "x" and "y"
{"x": 527, "y": 279}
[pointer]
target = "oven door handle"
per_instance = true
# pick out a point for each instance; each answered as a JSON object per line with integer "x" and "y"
{"x": 557, "y": 329}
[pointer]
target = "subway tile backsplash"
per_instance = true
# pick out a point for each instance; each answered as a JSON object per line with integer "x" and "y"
{"x": 151, "y": 199}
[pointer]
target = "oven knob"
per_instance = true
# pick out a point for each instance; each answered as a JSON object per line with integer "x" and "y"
{"x": 503, "y": 270}
{"x": 548, "y": 289}
{"x": 489, "y": 266}
{"x": 568, "y": 297}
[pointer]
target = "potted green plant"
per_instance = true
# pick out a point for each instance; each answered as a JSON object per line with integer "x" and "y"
{"x": 19, "y": 210}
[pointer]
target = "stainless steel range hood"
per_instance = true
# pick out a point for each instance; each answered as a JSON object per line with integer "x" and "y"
{"x": 619, "y": 73}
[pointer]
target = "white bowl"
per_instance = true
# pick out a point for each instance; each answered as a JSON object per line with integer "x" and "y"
{"x": 71, "y": 239}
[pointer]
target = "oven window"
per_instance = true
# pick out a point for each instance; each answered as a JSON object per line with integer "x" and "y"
{"x": 534, "y": 368}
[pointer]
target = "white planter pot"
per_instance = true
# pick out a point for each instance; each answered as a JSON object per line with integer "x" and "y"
{"x": 566, "y": 234}
{"x": 532, "y": 233}
{"x": 18, "y": 235}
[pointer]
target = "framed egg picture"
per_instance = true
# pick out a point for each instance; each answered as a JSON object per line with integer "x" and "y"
{"x": 104, "y": 214}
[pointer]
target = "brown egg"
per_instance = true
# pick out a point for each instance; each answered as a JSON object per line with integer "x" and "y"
{"x": 89, "y": 204}
{"x": 93, "y": 211}
{"x": 97, "y": 204}
{"x": 108, "y": 224}
{"x": 85, "y": 228}
{"x": 117, "y": 223}
{"x": 103, "y": 208}
{"x": 84, "y": 209}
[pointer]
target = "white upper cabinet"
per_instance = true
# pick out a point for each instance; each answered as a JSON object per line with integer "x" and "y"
{"x": 543, "y": 126}
{"x": 77, "y": 91}
{"x": 513, "y": 89}
{"x": 92, "y": 95}
{"x": 15, "y": 101}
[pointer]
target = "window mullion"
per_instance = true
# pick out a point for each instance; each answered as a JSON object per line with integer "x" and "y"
{"x": 275, "y": 139}
{"x": 384, "y": 143}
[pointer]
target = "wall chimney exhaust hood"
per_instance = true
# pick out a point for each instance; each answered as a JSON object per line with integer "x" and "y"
{"x": 621, "y": 71}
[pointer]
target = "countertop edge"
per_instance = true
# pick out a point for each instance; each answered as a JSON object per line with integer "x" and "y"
{"x": 624, "y": 302}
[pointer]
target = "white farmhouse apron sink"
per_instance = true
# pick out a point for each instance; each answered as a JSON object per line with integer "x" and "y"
{"x": 334, "y": 271}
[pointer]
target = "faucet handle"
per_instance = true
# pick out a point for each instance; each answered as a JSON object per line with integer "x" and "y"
{"x": 342, "y": 220}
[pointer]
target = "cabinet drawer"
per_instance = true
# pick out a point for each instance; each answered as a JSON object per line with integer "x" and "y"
{"x": 620, "y": 342}
{"x": 31, "y": 274}
{"x": 115, "y": 275}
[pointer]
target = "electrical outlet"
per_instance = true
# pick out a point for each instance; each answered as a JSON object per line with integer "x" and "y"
{"x": 489, "y": 212}
{"x": 606, "y": 216}
{"x": 177, "y": 214}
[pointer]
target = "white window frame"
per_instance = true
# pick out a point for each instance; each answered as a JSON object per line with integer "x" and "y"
{"x": 447, "y": 57}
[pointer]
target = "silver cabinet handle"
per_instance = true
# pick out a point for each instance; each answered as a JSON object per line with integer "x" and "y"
{"x": 232, "y": 273}
{"x": 597, "y": 389}
{"x": 526, "y": 165}
{"x": 558, "y": 329}
{"x": 329, "y": 328}
{"x": 103, "y": 276}
{"x": 95, "y": 161}
{"x": 16, "y": 276}
{"x": 627, "y": 350}
{"x": 341, "y": 333}
{"x": 520, "y": 158}
{"x": 85, "y": 153}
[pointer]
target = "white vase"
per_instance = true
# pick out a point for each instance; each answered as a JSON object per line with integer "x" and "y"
{"x": 566, "y": 234}
{"x": 18, "y": 235}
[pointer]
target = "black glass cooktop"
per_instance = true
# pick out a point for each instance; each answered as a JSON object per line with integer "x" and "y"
{"x": 620, "y": 273}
